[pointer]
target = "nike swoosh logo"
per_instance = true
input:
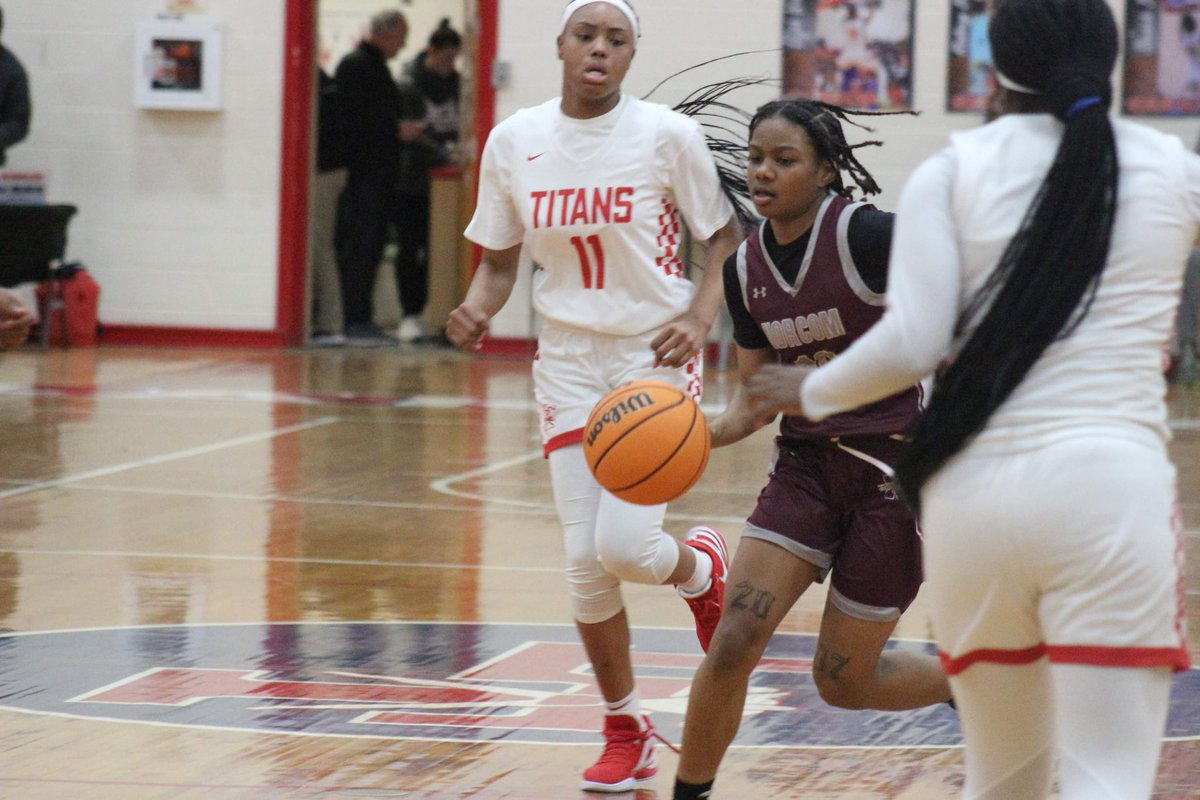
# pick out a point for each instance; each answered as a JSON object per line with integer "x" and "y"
{"x": 534, "y": 158}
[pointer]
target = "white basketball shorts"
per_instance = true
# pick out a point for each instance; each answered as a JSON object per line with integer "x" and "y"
{"x": 573, "y": 370}
{"x": 1069, "y": 551}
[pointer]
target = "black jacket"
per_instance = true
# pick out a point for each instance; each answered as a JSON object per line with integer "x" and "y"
{"x": 15, "y": 108}
{"x": 332, "y": 130}
{"x": 423, "y": 93}
{"x": 372, "y": 107}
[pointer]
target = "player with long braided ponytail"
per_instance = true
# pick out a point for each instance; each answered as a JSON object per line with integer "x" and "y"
{"x": 1036, "y": 268}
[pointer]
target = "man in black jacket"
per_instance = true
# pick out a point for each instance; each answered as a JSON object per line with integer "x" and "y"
{"x": 370, "y": 203}
{"x": 15, "y": 108}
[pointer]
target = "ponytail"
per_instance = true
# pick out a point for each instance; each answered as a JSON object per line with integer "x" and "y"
{"x": 1062, "y": 51}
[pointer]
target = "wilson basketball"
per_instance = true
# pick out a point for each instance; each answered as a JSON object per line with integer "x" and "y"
{"x": 647, "y": 442}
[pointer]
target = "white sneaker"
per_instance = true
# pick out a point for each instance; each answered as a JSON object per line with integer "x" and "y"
{"x": 412, "y": 328}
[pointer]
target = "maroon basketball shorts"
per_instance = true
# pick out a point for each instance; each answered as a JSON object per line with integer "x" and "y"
{"x": 831, "y": 503}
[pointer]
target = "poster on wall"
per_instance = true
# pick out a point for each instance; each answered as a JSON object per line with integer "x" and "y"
{"x": 970, "y": 75}
{"x": 1162, "y": 57}
{"x": 178, "y": 64}
{"x": 854, "y": 53}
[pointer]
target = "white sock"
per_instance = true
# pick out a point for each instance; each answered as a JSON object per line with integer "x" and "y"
{"x": 628, "y": 706}
{"x": 701, "y": 579}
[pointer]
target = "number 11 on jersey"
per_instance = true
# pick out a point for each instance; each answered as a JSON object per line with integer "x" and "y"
{"x": 585, "y": 262}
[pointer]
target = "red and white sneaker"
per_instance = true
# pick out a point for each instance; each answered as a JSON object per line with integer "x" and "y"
{"x": 707, "y": 607}
{"x": 628, "y": 757}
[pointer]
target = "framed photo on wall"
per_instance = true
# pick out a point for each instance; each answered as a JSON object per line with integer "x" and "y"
{"x": 970, "y": 74}
{"x": 178, "y": 64}
{"x": 854, "y": 53}
{"x": 1162, "y": 57}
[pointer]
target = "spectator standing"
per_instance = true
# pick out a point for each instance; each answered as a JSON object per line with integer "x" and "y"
{"x": 330, "y": 181}
{"x": 371, "y": 201}
{"x": 429, "y": 90}
{"x": 15, "y": 107}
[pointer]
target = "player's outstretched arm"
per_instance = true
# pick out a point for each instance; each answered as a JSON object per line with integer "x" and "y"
{"x": 489, "y": 291}
{"x": 775, "y": 388}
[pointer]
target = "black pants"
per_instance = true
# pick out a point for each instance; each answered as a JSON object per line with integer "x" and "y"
{"x": 370, "y": 208}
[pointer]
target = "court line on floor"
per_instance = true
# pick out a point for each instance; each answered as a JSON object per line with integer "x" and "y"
{"x": 167, "y": 457}
{"x": 544, "y": 510}
{"x": 348, "y": 562}
{"x": 442, "y": 485}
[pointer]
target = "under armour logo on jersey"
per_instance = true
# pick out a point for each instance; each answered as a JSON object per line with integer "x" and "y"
{"x": 758, "y": 293}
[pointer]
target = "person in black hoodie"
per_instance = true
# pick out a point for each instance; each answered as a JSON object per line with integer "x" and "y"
{"x": 429, "y": 90}
{"x": 371, "y": 202}
{"x": 15, "y": 108}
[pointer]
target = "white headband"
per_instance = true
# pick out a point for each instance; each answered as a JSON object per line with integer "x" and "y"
{"x": 1009, "y": 83}
{"x": 619, "y": 5}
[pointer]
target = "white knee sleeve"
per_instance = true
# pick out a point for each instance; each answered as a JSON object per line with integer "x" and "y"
{"x": 607, "y": 540}
{"x": 595, "y": 594}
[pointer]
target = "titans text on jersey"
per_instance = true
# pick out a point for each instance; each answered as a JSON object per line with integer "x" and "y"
{"x": 582, "y": 206}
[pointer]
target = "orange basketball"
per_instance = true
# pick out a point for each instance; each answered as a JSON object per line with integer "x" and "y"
{"x": 647, "y": 442}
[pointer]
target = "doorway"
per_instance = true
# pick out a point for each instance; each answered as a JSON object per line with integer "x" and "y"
{"x": 318, "y": 32}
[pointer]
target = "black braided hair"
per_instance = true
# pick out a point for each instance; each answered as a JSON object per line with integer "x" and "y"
{"x": 823, "y": 124}
{"x": 723, "y": 122}
{"x": 1048, "y": 275}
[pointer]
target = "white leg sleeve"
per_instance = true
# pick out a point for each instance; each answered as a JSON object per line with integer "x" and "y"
{"x": 1007, "y": 720}
{"x": 1110, "y": 728}
{"x": 595, "y": 594}
{"x": 607, "y": 540}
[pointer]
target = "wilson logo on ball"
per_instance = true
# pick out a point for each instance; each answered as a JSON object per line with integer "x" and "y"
{"x": 647, "y": 442}
{"x": 614, "y": 414}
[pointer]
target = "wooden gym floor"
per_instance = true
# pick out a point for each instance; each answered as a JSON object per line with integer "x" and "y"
{"x": 335, "y": 573}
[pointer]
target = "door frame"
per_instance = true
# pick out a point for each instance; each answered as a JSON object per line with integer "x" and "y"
{"x": 300, "y": 59}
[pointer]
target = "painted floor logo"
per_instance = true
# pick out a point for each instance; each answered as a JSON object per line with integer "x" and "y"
{"x": 445, "y": 682}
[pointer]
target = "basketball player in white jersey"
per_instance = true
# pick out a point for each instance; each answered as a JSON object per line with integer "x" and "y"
{"x": 596, "y": 186}
{"x": 1036, "y": 266}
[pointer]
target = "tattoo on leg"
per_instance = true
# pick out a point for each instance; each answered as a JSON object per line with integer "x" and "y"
{"x": 830, "y": 662}
{"x": 757, "y": 601}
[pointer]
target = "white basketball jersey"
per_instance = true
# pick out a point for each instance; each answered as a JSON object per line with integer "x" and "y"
{"x": 598, "y": 206}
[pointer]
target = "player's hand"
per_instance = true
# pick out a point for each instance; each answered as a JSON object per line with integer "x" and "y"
{"x": 775, "y": 388}
{"x": 16, "y": 319}
{"x": 679, "y": 341}
{"x": 466, "y": 327}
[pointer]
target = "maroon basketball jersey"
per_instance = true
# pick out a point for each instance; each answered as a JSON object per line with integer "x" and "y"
{"x": 820, "y": 315}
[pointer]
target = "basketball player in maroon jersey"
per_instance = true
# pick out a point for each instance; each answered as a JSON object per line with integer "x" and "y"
{"x": 803, "y": 286}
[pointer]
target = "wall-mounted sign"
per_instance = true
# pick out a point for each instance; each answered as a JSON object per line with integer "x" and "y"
{"x": 178, "y": 64}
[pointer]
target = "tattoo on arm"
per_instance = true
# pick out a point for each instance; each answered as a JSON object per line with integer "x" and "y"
{"x": 830, "y": 662}
{"x": 757, "y": 601}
